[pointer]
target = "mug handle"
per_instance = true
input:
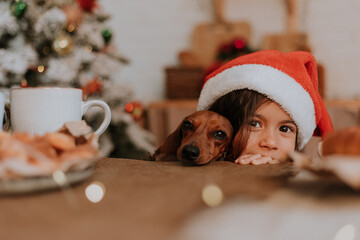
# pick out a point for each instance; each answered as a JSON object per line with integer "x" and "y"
{"x": 107, "y": 111}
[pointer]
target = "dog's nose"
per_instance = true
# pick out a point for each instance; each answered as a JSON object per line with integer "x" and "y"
{"x": 190, "y": 152}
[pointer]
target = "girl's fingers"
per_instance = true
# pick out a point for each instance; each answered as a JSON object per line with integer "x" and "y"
{"x": 255, "y": 159}
{"x": 274, "y": 161}
{"x": 261, "y": 160}
{"x": 247, "y": 159}
{"x": 242, "y": 157}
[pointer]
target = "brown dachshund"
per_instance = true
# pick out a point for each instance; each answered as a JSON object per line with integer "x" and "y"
{"x": 202, "y": 137}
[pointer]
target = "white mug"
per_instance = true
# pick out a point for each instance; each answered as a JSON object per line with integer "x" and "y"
{"x": 45, "y": 109}
{"x": 2, "y": 107}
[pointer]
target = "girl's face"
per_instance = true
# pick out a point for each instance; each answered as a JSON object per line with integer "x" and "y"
{"x": 272, "y": 132}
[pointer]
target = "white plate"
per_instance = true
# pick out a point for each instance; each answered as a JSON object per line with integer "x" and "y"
{"x": 36, "y": 184}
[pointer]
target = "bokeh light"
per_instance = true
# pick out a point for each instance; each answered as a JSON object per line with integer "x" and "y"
{"x": 212, "y": 195}
{"x": 95, "y": 192}
{"x": 41, "y": 68}
{"x": 59, "y": 177}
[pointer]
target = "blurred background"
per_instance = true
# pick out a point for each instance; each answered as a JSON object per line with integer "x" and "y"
{"x": 157, "y": 37}
{"x": 148, "y": 59}
{"x": 152, "y": 33}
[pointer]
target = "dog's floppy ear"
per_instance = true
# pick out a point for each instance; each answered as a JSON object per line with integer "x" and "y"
{"x": 167, "y": 150}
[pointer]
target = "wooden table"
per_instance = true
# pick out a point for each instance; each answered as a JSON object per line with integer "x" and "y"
{"x": 143, "y": 200}
{"x": 146, "y": 200}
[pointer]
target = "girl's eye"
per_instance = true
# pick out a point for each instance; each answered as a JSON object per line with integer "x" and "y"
{"x": 221, "y": 135}
{"x": 286, "y": 129}
{"x": 187, "y": 125}
{"x": 254, "y": 123}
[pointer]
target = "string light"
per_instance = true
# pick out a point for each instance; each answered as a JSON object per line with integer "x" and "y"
{"x": 41, "y": 68}
{"x": 59, "y": 177}
{"x": 70, "y": 28}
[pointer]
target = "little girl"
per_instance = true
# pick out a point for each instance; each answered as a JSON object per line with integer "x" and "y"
{"x": 272, "y": 100}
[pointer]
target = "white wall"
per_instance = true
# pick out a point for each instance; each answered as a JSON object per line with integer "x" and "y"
{"x": 152, "y": 32}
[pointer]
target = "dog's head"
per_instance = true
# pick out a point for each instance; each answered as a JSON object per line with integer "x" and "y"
{"x": 202, "y": 137}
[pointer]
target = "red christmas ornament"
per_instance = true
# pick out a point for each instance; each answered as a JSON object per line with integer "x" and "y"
{"x": 239, "y": 43}
{"x": 24, "y": 84}
{"x": 129, "y": 107}
{"x": 87, "y": 5}
{"x": 136, "y": 110}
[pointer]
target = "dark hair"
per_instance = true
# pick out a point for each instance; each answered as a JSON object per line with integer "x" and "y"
{"x": 239, "y": 107}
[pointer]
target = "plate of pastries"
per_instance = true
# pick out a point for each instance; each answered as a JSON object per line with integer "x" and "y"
{"x": 30, "y": 163}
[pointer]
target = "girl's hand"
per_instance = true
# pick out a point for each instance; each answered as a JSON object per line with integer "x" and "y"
{"x": 255, "y": 159}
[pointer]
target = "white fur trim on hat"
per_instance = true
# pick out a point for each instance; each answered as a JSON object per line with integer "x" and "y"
{"x": 273, "y": 83}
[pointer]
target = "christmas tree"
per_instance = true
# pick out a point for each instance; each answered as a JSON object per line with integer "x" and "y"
{"x": 68, "y": 43}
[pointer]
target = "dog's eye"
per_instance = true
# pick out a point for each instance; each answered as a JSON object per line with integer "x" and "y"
{"x": 187, "y": 125}
{"x": 221, "y": 135}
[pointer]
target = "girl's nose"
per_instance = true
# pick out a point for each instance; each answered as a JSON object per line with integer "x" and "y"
{"x": 268, "y": 140}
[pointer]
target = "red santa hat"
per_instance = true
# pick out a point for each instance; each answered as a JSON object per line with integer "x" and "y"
{"x": 289, "y": 79}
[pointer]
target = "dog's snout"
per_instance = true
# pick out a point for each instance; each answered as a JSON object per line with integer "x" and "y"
{"x": 190, "y": 152}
